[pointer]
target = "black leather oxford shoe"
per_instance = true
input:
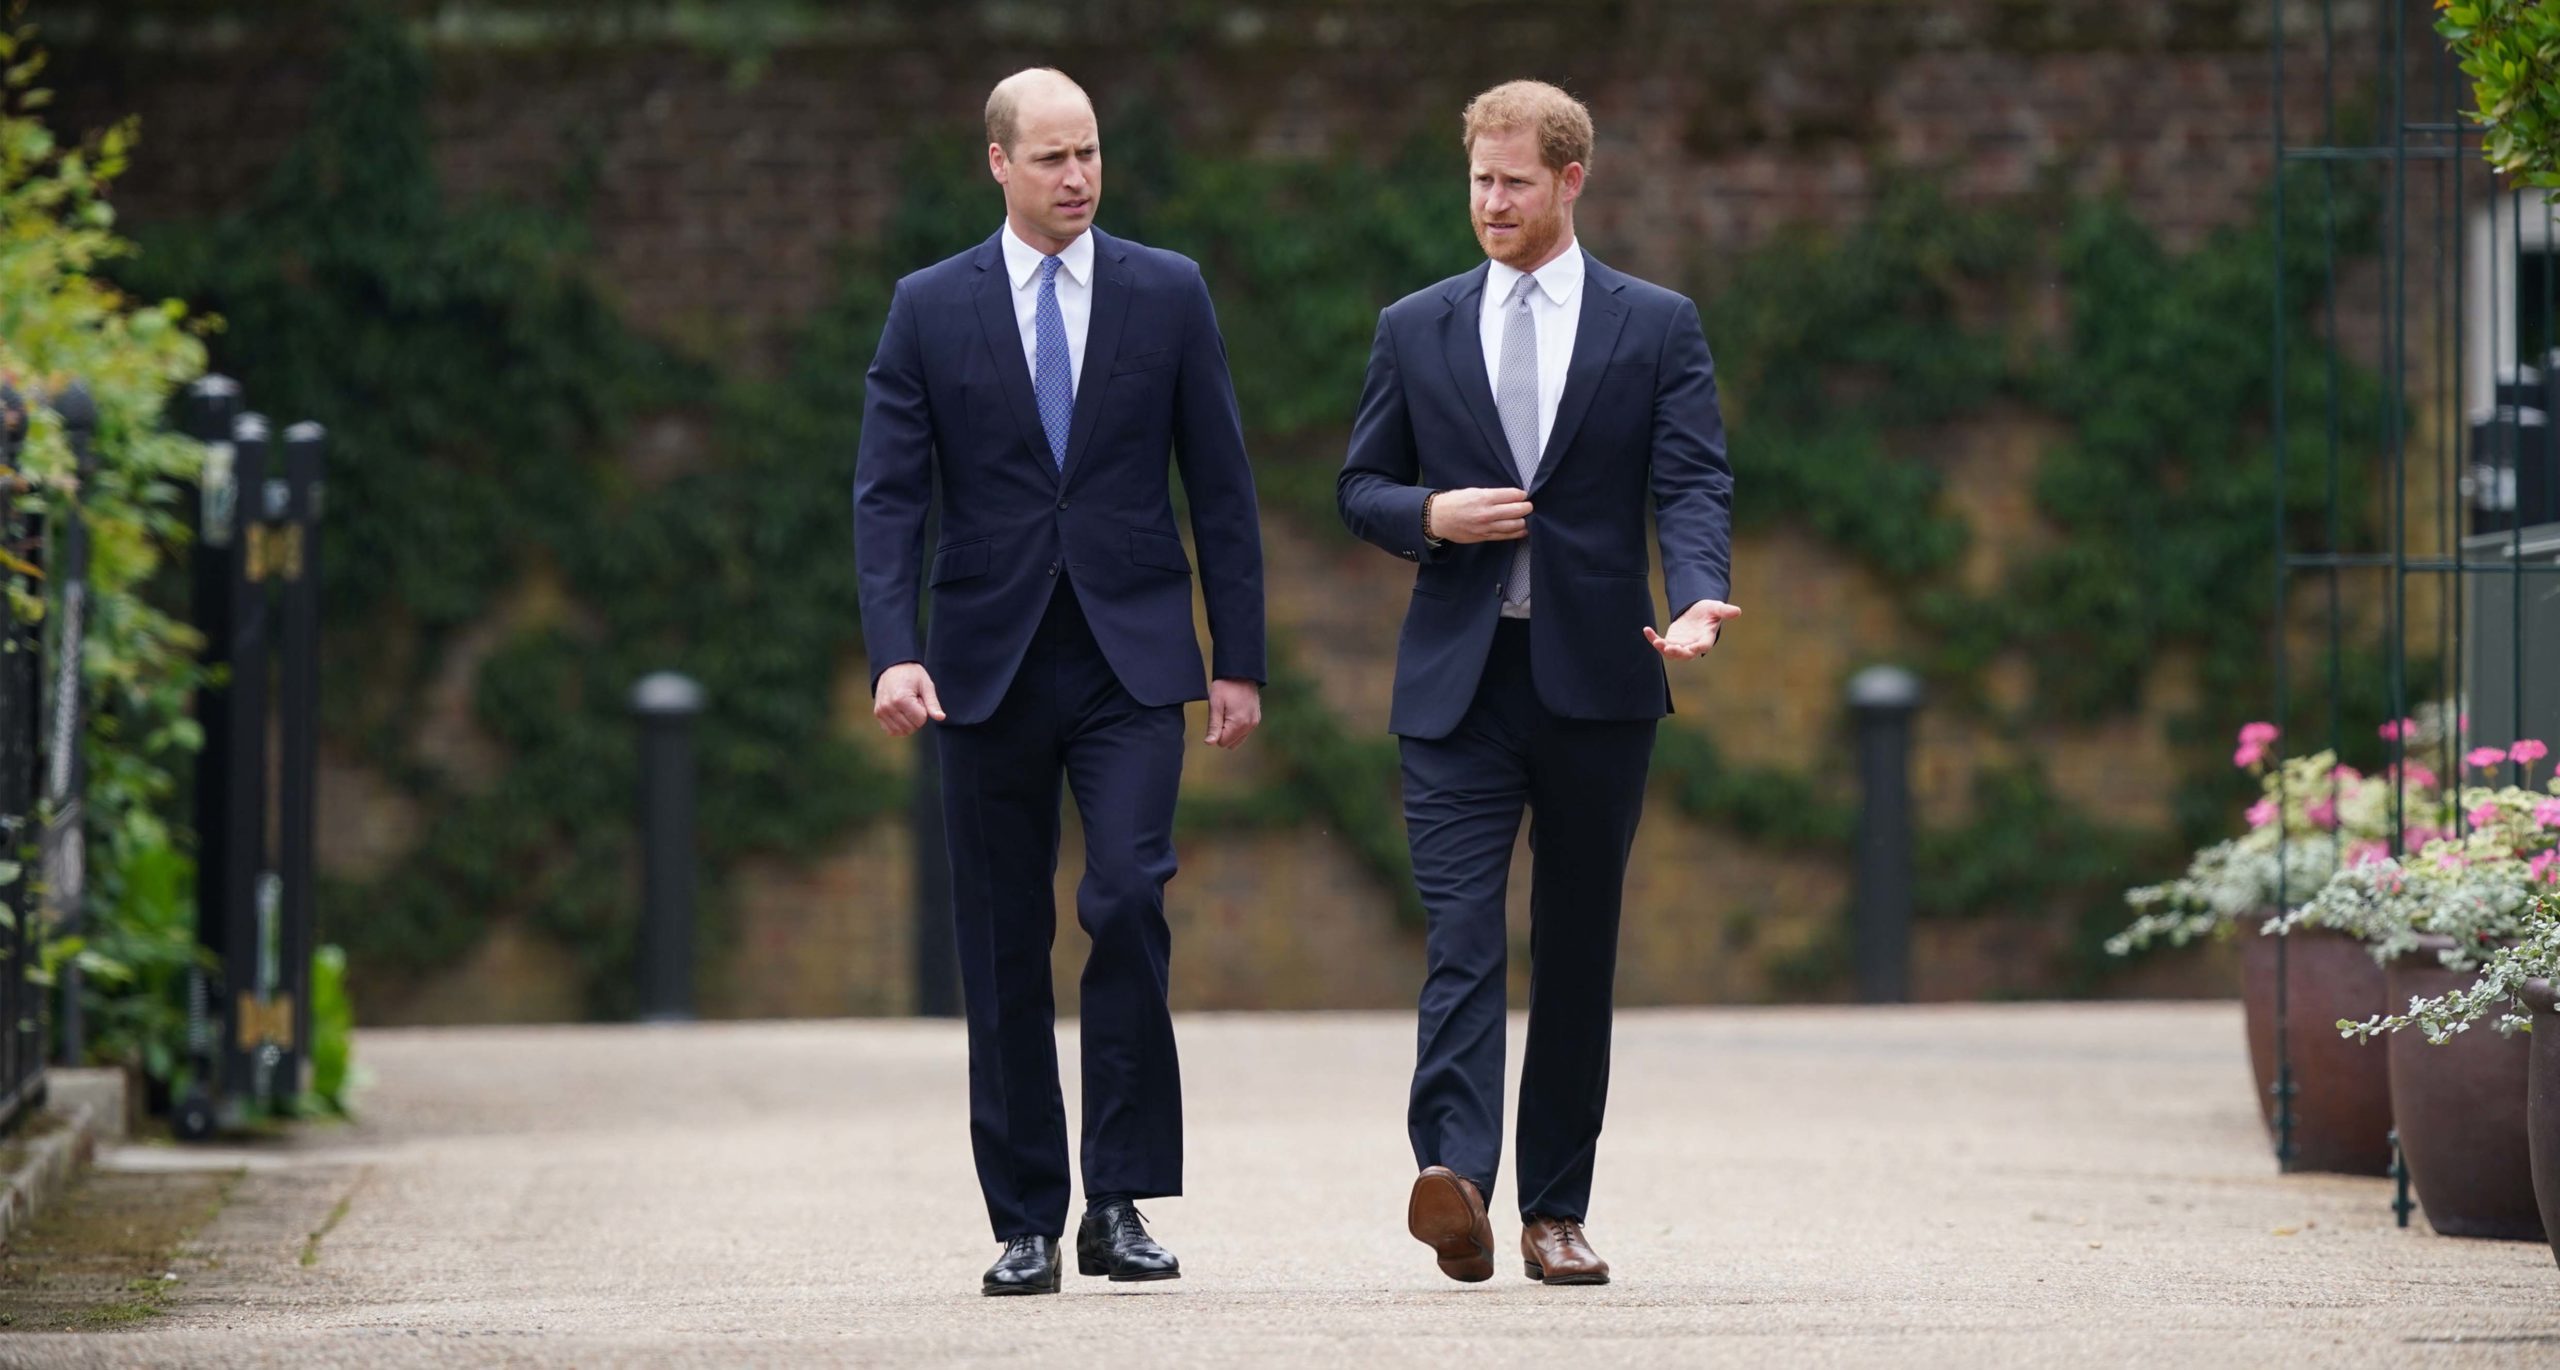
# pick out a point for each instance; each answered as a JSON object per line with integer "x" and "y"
{"x": 1029, "y": 1265}
{"x": 1112, "y": 1240}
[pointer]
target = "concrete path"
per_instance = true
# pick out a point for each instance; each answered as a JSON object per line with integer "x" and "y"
{"x": 2030, "y": 1185}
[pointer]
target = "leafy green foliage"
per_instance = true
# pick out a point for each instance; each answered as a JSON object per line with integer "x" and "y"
{"x": 333, "y": 1031}
{"x": 1772, "y": 806}
{"x": 479, "y": 386}
{"x": 1350, "y": 783}
{"x": 1826, "y": 345}
{"x": 136, "y": 955}
{"x": 483, "y": 396}
{"x": 61, "y": 321}
{"x": 2162, "y": 492}
{"x": 2511, "y": 51}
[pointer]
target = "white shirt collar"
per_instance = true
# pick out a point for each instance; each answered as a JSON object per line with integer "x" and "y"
{"x": 1558, "y": 279}
{"x": 1022, "y": 260}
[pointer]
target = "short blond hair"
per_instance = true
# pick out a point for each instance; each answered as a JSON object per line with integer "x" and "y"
{"x": 1562, "y": 125}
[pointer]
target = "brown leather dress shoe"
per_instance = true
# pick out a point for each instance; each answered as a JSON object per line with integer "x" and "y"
{"x": 1447, "y": 1215}
{"x": 1556, "y": 1252}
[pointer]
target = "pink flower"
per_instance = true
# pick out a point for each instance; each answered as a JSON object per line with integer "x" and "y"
{"x": 2398, "y": 728}
{"x": 2417, "y": 837}
{"x": 2547, "y": 813}
{"x": 2527, "y": 752}
{"x": 2346, "y": 773}
{"x": 2391, "y": 880}
{"x": 2449, "y": 861}
{"x": 2419, "y": 777}
{"x": 2262, "y": 813}
{"x": 2365, "y": 853}
{"x": 2483, "y": 815}
{"x": 2545, "y": 868}
{"x": 2255, "y": 739}
{"x": 2487, "y": 758}
{"x": 2323, "y": 814}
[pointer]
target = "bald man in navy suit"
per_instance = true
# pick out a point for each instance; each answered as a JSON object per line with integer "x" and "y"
{"x": 1042, "y": 383}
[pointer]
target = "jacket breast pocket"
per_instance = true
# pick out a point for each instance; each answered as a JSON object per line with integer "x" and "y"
{"x": 1143, "y": 361}
{"x": 1159, "y": 551}
{"x": 960, "y": 561}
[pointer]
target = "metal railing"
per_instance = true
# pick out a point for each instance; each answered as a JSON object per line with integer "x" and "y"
{"x": 22, "y": 1001}
{"x": 43, "y": 775}
{"x": 2434, "y": 555}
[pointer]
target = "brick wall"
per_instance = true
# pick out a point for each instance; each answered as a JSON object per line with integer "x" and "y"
{"x": 718, "y": 204}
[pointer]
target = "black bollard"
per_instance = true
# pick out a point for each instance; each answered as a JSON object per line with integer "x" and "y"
{"x": 207, "y": 414}
{"x": 241, "y": 908}
{"x": 298, "y": 724}
{"x": 1883, "y": 698}
{"x": 667, "y": 704}
{"x": 63, "y": 846}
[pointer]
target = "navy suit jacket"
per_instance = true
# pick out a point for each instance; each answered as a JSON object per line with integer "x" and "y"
{"x": 949, "y": 400}
{"x": 1638, "y": 426}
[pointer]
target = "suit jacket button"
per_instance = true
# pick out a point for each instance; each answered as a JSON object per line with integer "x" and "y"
{"x": 1062, "y": 504}
{"x": 1053, "y": 568}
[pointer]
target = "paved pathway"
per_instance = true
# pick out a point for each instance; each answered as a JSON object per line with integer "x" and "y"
{"x": 1966, "y": 1186}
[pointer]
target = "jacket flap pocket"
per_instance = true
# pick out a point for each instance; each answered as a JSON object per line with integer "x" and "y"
{"x": 1157, "y": 550}
{"x": 959, "y": 561}
{"x": 1143, "y": 361}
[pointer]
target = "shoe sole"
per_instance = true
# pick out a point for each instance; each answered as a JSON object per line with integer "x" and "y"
{"x": 999, "y": 1291}
{"x": 1084, "y": 1267}
{"x": 1539, "y": 1273}
{"x": 1441, "y": 1216}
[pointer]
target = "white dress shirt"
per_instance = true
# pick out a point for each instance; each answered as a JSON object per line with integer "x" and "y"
{"x": 1075, "y": 296}
{"x": 1559, "y": 317}
{"x": 1554, "y": 304}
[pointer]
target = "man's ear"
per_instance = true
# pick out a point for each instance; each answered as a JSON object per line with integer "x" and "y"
{"x": 1569, "y": 183}
{"x": 997, "y": 165}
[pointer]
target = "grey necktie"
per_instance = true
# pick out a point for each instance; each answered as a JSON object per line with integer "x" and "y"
{"x": 1515, "y": 397}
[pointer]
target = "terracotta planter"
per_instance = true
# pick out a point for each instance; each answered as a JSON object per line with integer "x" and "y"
{"x": 2542, "y": 1106}
{"x": 2342, "y": 1089}
{"x": 2461, "y": 1112}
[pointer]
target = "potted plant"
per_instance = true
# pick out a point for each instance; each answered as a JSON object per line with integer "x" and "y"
{"x": 2436, "y": 919}
{"x": 2515, "y": 983}
{"x": 2313, "y": 816}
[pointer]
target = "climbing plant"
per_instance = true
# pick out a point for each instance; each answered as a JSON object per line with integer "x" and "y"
{"x": 485, "y": 398}
{"x": 480, "y": 388}
{"x": 62, "y": 321}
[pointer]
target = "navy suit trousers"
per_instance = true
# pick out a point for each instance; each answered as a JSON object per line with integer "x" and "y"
{"x": 1065, "y": 716}
{"x": 1583, "y": 784}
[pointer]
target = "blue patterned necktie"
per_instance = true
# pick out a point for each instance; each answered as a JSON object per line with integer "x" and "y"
{"x": 1053, "y": 378}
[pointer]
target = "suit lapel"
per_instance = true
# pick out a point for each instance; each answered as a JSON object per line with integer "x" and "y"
{"x": 1595, "y": 334}
{"x": 1111, "y": 292}
{"x": 1004, "y": 344}
{"x": 1463, "y": 345}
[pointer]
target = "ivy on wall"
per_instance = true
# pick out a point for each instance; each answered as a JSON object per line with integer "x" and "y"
{"x": 482, "y": 393}
{"x": 485, "y": 399}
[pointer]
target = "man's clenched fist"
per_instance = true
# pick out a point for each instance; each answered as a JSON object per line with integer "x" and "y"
{"x": 905, "y": 699}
